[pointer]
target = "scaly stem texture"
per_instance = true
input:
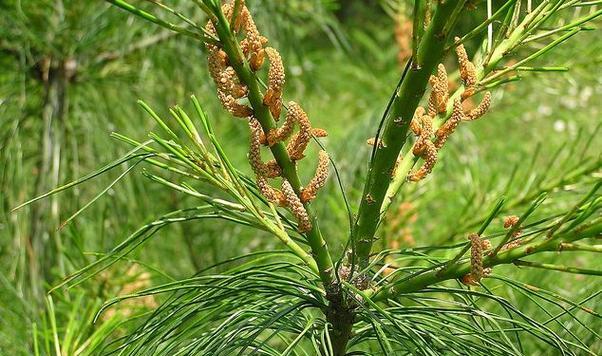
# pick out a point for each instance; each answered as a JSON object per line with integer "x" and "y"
{"x": 341, "y": 316}
{"x": 428, "y": 56}
{"x": 289, "y": 171}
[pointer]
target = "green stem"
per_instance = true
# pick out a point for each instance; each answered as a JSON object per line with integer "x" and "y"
{"x": 429, "y": 54}
{"x": 580, "y": 247}
{"x": 560, "y": 268}
{"x": 539, "y": 53}
{"x": 435, "y": 276}
{"x": 262, "y": 113}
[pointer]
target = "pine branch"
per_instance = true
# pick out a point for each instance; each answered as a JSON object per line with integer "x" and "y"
{"x": 262, "y": 114}
{"x": 382, "y": 166}
{"x": 434, "y": 276}
{"x": 488, "y": 75}
{"x": 559, "y": 268}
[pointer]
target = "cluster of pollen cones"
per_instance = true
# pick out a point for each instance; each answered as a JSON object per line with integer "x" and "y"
{"x": 232, "y": 93}
{"x": 422, "y": 124}
{"x": 478, "y": 246}
{"x": 428, "y": 140}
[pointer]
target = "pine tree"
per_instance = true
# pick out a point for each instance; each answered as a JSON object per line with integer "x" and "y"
{"x": 432, "y": 299}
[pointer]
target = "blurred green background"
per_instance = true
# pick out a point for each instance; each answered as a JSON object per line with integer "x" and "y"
{"x": 71, "y": 72}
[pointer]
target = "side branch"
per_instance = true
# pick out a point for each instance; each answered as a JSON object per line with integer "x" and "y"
{"x": 458, "y": 270}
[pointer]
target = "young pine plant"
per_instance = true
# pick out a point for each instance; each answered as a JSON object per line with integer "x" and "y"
{"x": 307, "y": 300}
